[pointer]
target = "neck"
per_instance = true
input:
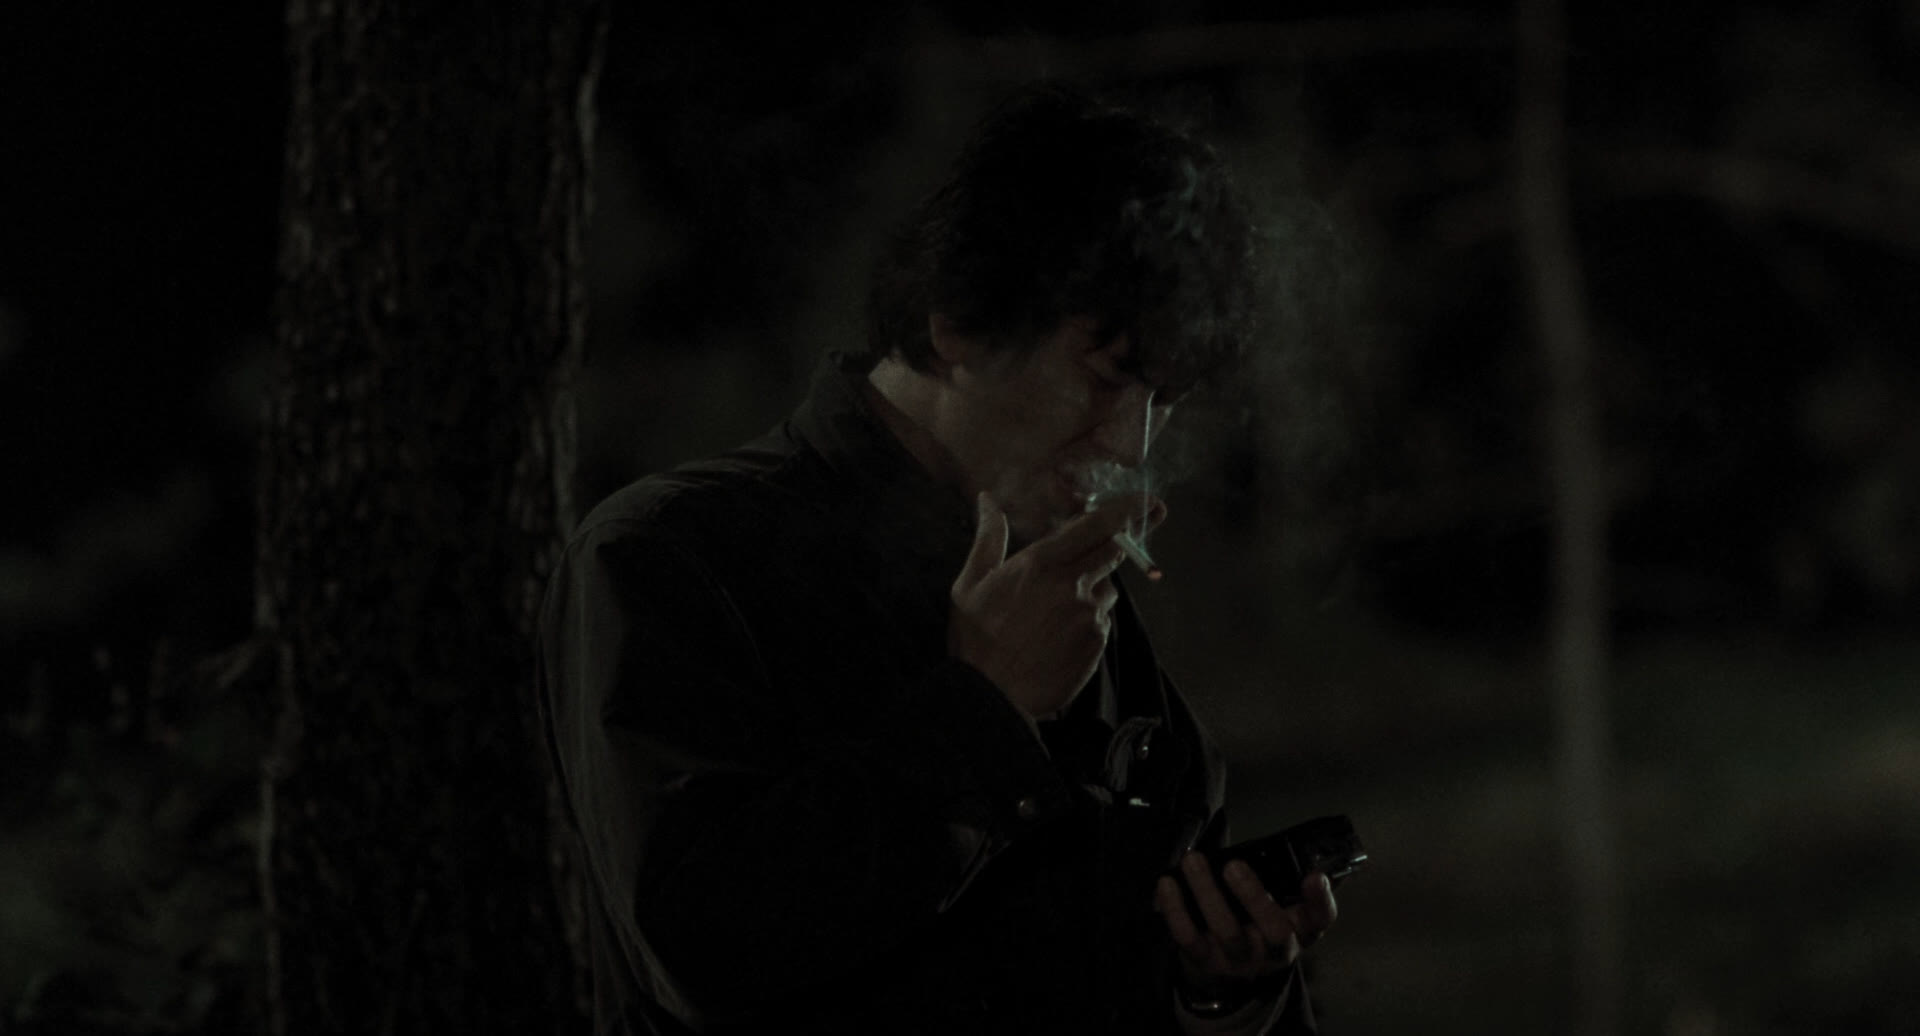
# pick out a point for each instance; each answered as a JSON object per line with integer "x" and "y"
{"x": 907, "y": 402}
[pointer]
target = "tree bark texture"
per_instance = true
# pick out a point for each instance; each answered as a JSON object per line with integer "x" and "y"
{"x": 414, "y": 459}
{"x": 1576, "y": 464}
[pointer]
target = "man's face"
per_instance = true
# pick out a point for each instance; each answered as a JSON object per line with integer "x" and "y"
{"x": 1042, "y": 430}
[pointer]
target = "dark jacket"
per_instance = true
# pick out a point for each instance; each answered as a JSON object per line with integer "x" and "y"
{"x": 798, "y": 814}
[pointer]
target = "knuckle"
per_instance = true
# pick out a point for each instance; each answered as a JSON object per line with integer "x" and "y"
{"x": 1273, "y": 920}
{"x": 1275, "y": 933}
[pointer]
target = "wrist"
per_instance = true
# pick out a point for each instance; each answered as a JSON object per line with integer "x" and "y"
{"x": 1214, "y": 998}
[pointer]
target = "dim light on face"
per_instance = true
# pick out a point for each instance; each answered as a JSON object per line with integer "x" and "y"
{"x": 1048, "y": 430}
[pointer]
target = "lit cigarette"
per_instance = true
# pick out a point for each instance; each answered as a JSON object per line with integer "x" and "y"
{"x": 1137, "y": 553}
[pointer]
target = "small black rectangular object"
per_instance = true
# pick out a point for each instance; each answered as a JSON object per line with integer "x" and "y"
{"x": 1284, "y": 859}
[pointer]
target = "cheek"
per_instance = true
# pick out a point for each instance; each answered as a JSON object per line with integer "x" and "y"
{"x": 1034, "y": 429}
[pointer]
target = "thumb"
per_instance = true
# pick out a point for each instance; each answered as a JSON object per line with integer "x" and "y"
{"x": 989, "y": 544}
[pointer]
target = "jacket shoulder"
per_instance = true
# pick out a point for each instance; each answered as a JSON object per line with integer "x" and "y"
{"x": 721, "y": 502}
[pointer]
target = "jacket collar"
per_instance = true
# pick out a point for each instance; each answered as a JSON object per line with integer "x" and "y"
{"x": 909, "y": 509}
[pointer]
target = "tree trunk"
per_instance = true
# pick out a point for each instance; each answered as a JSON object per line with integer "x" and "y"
{"x": 414, "y": 460}
{"x": 1577, "y": 471}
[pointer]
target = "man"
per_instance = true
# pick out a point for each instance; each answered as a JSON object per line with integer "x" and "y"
{"x": 856, "y": 725}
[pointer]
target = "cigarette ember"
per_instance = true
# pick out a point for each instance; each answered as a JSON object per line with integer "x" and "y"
{"x": 1137, "y": 553}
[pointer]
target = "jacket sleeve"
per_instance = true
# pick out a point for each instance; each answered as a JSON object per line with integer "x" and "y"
{"x": 741, "y": 860}
{"x": 1282, "y": 1013}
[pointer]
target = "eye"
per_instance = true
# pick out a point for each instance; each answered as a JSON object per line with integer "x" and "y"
{"x": 1109, "y": 376}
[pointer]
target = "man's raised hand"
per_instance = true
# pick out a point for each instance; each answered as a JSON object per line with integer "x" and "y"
{"x": 1036, "y": 622}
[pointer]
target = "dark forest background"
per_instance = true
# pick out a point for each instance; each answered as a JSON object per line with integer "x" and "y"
{"x": 1358, "y": 596}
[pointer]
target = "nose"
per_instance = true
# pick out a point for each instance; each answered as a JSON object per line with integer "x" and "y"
{"x": 1127, "y": 432}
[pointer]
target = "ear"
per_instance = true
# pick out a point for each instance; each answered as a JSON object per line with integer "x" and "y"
{"x": 950, "y": 348}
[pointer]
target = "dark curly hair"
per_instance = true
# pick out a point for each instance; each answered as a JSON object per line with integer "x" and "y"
{"x": 1062, "y": 205}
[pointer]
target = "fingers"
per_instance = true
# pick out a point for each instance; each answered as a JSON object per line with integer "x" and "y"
{"x": 1222, "y": 925}
{"x": 1275, "y": 923}
{"x": 1270, "y": 927}
{"x": 1103, "y": 596}
{"x": 1086, "y": 532}
{"x": 1316, "y": 912}
{"x": 989, "y": 544}
{"x": 1093, "y": 584}
{"x": 1186, "y": 935}
{"x": 1218, "y": 944}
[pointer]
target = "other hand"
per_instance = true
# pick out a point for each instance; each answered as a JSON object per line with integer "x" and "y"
{"x": 1217, "y": 949}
